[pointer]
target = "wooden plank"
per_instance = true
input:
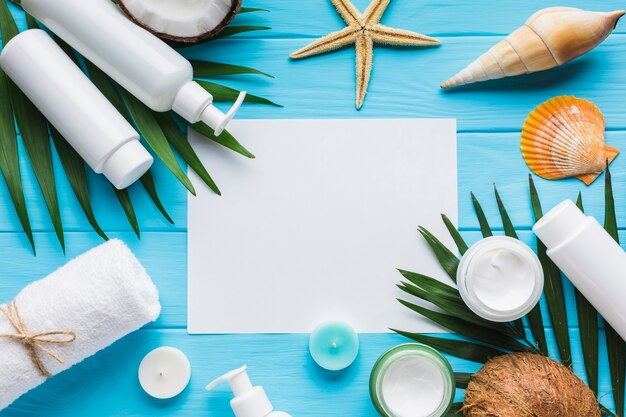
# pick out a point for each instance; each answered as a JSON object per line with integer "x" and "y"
{"x": 106, "y": 385}
{"x": 290, "y": 19}
{"x": 405, "y": 83}
{"x": 485, "y": 159}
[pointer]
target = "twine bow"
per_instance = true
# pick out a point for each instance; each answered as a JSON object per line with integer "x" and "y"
{"x": 35, "y": 342}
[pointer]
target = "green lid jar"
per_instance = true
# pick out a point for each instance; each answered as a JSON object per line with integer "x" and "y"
{"x": 412, "y": 380}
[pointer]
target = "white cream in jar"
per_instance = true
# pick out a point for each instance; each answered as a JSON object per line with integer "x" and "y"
{"x": 500, "y": 278}
{"x": 412, "y": 380}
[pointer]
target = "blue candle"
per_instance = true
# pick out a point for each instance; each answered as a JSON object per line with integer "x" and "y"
{"x": 334, "y": 345}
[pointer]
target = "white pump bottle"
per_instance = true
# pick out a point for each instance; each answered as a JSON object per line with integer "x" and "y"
{"x": 249, "y": 401}
{"x": 140, "y": 62}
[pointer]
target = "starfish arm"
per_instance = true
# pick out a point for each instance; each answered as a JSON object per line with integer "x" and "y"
{"x": 390, "y": 36}
{"x": 364, "y": 57}
{"x": 328, "y": 43}
{"x": 348, "y": 12}
{"x": 374, "y": 11}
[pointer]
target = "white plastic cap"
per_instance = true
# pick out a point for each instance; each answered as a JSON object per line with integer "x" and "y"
{"x": 127, "y": 164}
{"x": 559, "y": 223}
{"x": 194, "y": 104}
{"x": 249, "y": 401}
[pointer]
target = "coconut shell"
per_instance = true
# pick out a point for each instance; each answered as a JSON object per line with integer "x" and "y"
{"x": 528, "y": 385}
{"x": 183, "y": 41}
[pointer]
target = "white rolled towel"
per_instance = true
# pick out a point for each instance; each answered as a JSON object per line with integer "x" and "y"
{"x": 99, "y": 297}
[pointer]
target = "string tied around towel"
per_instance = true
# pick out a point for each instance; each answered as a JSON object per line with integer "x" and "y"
{"x": 35, "y": 342}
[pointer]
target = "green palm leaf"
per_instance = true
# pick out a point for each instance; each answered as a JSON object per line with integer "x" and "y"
{"x": 250, "y": 10}
{"x": 154, "y": 137}
{"x": 34, "y": 132}
{"x": 235, "y": 30}
{"x": 36, "y": 138}
{"x": 462, "y": 379}
{"x": 129, "y": 210}
{"x": 223, "y": 94}
{"x": 456, "y": 236}
{"x": 74, "y": 167}
{"x": 588, "y": 327}
{"x": 148, "y": 184}
{"x": 225, "y": 139}
{"x": 213, "y": 69}
{"x": 447, "y": 259}
{"x": 464, "y": 328}
{"x": 460, "y": 348}
{"x": 433, "y": 286}
{"x": 553, "y": 287}
{"x": 482, "y": 220}
{"x": 9, "y": 158}
{"x": 177, "y": 139}
{"x": 615, "y": 345}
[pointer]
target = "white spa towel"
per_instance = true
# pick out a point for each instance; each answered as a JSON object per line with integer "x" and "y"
{"x": 101, "y": 296}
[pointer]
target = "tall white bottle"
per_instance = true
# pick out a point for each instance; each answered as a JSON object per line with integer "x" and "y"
{"x": 75, "y": 107}
{"x": 589, "y": 257}
{"x": 140, "y": 62}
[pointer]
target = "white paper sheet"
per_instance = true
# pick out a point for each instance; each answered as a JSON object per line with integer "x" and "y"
{"x": 315, "y": 227}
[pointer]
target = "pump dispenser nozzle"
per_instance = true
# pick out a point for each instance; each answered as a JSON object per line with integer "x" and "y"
{"x": 249, "y": 401}
{"x": 213, "y": 117}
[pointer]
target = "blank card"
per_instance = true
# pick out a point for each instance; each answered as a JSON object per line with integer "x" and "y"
{"x": 314, "y": 228}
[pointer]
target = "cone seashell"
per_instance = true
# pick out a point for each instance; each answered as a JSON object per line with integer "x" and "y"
{"x": 564, "y": 137}
{"x": 549, "y": 38}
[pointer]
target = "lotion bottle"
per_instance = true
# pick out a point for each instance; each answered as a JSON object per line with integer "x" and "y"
{"x": 140, "y": 62}
{"x": 249, "y": 401}
{"x": 75, "y": 107}
{"x": 589, "y": 257}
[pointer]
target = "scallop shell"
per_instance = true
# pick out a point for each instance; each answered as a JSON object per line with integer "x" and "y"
{"x": 564, "y": 137}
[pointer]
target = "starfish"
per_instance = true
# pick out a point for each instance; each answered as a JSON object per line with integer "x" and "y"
{"x": 363, "y": 30}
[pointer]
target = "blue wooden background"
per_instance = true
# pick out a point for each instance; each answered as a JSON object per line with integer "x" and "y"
{"x": 404, "y": 84}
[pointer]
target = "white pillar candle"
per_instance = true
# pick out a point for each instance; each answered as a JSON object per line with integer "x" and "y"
{"x": 164, "y": 372}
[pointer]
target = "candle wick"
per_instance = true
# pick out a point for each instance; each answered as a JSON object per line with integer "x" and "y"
{"x": 161, "y": 374}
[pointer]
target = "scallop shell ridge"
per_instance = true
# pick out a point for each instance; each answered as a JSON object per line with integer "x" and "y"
{"x": 564, "y": 137}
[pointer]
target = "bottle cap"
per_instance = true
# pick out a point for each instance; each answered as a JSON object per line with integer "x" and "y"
{"x": 127, "y": 164}
{"x": 249, "y": 401}
{"x": 559, "y": 223}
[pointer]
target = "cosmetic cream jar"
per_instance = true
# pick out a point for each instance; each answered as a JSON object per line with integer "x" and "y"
{"x": 412, "y": 380}
{"x": 500, "y": 279}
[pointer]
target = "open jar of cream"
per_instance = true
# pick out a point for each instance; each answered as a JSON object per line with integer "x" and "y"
{"x": 412, "y": 380}
{"x": 500, "y": 278}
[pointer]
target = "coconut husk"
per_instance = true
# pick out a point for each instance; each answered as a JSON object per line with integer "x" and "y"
{"x": 528, "y": 385}
{"x": 178, "y": 41}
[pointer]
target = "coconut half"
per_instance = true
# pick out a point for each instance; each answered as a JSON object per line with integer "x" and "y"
{"x": 186, "y": 21}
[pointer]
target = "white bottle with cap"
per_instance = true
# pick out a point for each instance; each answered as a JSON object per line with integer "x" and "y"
{"x": 140, "y": 62}
{"x": 75, "y": 107}
{"x": 249, "y": 401}
{"x": 589, "y": 257}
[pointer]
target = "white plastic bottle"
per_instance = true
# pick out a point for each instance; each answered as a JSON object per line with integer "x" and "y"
{"x": 140, "y": 62}
{"x": 75, "y": 107}
{"x": 249, "y": 401}
{"x": 589, "y": 257}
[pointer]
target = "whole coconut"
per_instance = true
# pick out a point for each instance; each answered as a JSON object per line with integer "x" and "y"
{"x": 528, "y": 385}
